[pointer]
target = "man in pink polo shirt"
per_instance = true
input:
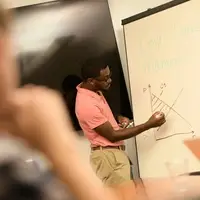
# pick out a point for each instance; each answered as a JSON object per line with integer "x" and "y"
{"x": 95, "y": 117}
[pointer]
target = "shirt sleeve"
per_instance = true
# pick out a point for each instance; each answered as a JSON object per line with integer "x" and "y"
{"x": 93, "y": 117}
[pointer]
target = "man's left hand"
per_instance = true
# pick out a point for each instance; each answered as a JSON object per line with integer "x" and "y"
{"x": 123, "y": 121}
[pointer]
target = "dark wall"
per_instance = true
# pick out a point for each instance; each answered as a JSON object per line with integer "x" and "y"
{"x": 55, "y": 40}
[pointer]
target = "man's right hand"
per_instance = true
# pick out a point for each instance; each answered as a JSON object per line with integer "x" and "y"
{"x": 156, "y": 120}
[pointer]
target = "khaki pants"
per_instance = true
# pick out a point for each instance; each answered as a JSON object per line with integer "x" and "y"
{"x": 112, "y": 166}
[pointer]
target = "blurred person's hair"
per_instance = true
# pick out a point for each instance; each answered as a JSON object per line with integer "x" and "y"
{"x": 20, "y": 179}
{"x": 3, "y": 18}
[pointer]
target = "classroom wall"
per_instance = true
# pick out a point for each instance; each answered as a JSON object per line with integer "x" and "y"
{"x": 120, "y": 10}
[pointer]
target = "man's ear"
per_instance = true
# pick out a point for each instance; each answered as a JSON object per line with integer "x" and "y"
{"x": 90, "y": 81}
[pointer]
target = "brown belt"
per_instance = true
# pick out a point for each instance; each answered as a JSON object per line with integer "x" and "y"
{"x": 121, "y": 147}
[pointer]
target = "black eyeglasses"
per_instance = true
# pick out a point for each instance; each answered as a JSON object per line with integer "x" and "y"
{"x": 105, "y": 79}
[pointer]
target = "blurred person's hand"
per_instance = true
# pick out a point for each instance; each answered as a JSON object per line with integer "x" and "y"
{"x": 33, "y": 112}
{"x": 30, "y": 112}
{"x": 39, "y": 116}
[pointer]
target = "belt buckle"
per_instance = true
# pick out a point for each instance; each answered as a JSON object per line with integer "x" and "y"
{"x": 122, "y": 147}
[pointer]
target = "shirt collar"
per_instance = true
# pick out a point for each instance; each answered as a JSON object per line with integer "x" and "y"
{"x": 89, "y": 92}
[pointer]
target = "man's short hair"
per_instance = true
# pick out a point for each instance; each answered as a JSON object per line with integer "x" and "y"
{"x": 92, "y": 68}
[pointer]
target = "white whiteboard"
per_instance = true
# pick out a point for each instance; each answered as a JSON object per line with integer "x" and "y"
{"x": 163, "y": 54}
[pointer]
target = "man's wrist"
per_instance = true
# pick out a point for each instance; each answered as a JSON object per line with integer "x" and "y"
{"x": 147, "y": 125}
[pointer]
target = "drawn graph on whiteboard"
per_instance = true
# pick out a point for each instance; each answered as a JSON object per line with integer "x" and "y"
{"x": 176, "y": 124}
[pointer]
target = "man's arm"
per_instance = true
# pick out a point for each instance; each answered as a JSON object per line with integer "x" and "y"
{"x": 109, "y": 133}
{"x": 95, "y": 120}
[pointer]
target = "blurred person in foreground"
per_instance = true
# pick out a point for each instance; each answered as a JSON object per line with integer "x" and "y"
{"x": 21, "y": 179}
{"x": 108, "y": 157}
{"x": 25, "y": 114}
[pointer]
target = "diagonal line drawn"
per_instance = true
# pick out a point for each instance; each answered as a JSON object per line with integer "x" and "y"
{"x": 166, "y": 105}
{"x": 158, "y": 104}
{"x": 174, "y": 103}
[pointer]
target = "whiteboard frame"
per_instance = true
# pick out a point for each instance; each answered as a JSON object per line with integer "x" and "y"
{"x": 147, "y": 13}
{"x": 152, "y": 11}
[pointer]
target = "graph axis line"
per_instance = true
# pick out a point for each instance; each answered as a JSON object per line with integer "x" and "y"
{"x": 151, "y": 99}
{"x": 175, "y": 134}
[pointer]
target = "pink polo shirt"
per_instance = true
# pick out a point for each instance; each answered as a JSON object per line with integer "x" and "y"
{"x": 92, "y": 110}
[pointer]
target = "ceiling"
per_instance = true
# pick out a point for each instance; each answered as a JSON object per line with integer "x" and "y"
{"x": 22, "y": 3}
